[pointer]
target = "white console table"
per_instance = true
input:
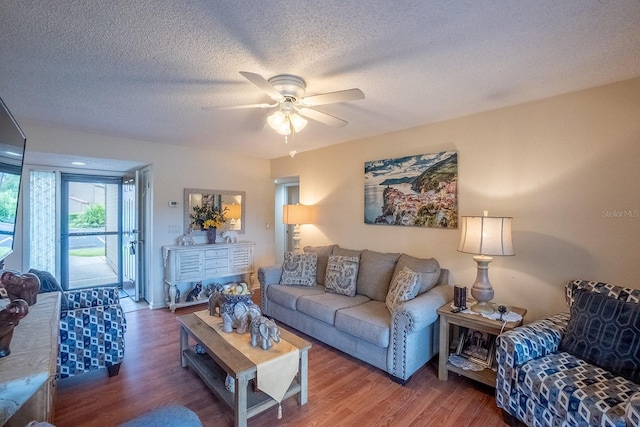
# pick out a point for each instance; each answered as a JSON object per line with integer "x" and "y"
{"x": 194, "y": 263}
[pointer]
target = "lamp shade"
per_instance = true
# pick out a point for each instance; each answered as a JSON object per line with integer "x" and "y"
{"x": 298, "y": 214}
{"x": 486, "y": 235}
{"x": 233, "y": 210}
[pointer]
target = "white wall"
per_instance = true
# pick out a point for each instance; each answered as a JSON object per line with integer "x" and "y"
{"x": 174, "y": 168}
{"x": 556, "y": 165}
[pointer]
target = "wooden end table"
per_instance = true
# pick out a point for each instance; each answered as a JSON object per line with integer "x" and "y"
{"x": 222, "y": 358}
{"x": 472, "y": 321}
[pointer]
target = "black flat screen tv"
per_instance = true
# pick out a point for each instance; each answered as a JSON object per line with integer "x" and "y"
{"x": 12, "y": 145}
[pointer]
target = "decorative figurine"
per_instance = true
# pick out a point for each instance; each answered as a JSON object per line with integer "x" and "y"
{"x": 264, "y": 330}
{"x": 24, "y": 286}
{"x": 185, "y": 240}
{"x": 177, "y": 298}
{"x": 9, "y": 319}
{"x": 215, "y": 299}
{"x": 194, "y": 294}
{"x": 230, "y": 236}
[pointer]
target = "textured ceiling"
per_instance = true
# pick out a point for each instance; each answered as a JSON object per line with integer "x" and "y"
{"x": 143, "y": 69}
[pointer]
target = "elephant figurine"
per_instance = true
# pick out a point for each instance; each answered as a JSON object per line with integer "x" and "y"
{"x": 264, "y": 330}
{"x": 238, "y": 316}
{"x": 216, "y": 299}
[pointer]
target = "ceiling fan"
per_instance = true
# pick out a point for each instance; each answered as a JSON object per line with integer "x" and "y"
{"x": 292, "y": 106}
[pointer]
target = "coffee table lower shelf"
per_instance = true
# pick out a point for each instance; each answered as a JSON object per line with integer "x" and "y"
{"x": 214, "y": 377}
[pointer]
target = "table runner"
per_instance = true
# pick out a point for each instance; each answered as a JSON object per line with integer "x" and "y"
{"x": 275, "y": 367}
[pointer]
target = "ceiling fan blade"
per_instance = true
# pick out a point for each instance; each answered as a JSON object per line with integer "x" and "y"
{"x": 321, "y": 117}
{"x": 333, "y": 97}
{"x": 239, "y": 107}
{"x": 262, "y": 84}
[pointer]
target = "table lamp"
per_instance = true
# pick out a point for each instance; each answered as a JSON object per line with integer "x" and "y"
{"x": 233, "y": 213}
{"x": 485, "y": 236}
{"x": 297, "y": 215}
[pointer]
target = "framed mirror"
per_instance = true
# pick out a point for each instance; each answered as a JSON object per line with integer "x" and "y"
{"x": 233, "y": 201}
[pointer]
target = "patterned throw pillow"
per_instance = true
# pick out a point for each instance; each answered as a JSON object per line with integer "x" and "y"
{"x": 604, "y": 331}
{"x": 299, "y": 269}
{"x": 404, "y": 287}
{"x": 323, "y": 252}
{"x": 342, "y": 274}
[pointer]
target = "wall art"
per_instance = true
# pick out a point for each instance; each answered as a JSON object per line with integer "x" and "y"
{"x": 417, "y": 191}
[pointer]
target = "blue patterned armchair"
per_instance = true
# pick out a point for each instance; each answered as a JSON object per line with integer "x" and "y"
{"x": 542, "y": 382}
{"x": 92, "y": 327}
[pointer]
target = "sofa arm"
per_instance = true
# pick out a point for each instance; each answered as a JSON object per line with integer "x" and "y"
{"x": 414, "y": 332}
{"x": 269, "y": 275}
{"x": 632, "y": 411}
{"x": 522, "y": 344}
{"x": 92, "y": 297}
{"x": 420, "y": 312}
{"x": 532, "y": 341}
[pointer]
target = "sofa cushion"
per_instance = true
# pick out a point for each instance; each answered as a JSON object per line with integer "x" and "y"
{"x": 287, "y": 296}
{"x": 324, "y": 307}
{"x": 323, "y": 253}
{"x": 404, "y": 287}
{"x": 429, "y": 270}
{"x": 370, "y": 321}
{"x": 299, "y": 269}
{"x": 564, "y": 384}
{"x": 605, "y": 332}
{"x": 346, "y": 252}
{"x": 342, "y": 275}
{"x": 374, "y": 273}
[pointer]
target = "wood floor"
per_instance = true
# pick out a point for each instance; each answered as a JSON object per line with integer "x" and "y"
{"x": 342, "y": 390}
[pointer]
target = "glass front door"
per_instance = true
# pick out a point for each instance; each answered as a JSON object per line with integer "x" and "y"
{"x": 91, "y": 231}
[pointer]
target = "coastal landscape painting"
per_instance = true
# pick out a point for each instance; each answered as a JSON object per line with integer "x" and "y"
{"x": 415, "y": 191}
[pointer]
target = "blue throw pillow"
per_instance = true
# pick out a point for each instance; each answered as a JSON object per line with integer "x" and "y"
{"x": 604, "y": 331}
{"x": 48, "y": 283}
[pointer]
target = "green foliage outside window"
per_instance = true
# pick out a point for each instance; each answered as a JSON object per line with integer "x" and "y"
{"x": 93, "y": 216}
{"x": 8, "y": 196}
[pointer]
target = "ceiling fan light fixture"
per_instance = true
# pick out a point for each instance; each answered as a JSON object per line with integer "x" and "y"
{"x": 284, "y": 123}
{"x": 298, "y": 122}
{"x": 279, "y": 122}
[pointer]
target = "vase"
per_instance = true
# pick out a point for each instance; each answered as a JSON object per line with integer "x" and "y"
{"x": 211, "y": 235}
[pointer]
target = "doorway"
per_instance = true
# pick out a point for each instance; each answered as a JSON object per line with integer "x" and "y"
{"x": 91, "y": 239}
{"x": 287, "y": 193}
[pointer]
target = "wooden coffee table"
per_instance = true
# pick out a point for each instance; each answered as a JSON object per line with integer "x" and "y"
{"x": 222, "y": 358}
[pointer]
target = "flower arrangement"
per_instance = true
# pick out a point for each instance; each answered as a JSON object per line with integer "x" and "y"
{"x": 208, "y": 216}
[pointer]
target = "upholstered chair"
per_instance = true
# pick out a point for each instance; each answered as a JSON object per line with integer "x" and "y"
{"x": 92, "y": 327}
{"x": 580, "y": 368}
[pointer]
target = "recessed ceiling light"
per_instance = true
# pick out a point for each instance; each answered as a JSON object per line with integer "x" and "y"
{"x": 78, "y": 163}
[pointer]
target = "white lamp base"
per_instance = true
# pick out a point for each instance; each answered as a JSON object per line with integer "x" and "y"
{"x": 297, "y": 249}
{"x": 481, "y": 289}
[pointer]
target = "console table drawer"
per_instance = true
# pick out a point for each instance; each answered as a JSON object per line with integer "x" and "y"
{"x": 216, "y": 262}
{"x": 216, "y": 253}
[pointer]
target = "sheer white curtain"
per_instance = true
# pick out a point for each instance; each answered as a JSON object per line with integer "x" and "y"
{"x": 42, "y": 221}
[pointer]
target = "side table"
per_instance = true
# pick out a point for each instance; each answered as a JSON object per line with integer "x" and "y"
{"x": 472, "y": 321}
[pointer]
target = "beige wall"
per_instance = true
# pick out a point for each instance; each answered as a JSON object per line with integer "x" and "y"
{"x": 563, "y": 167}
{"x": 173, "y": 169}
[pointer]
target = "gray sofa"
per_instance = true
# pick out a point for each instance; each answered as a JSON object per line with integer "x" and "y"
{"x": 399, "y": 342}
